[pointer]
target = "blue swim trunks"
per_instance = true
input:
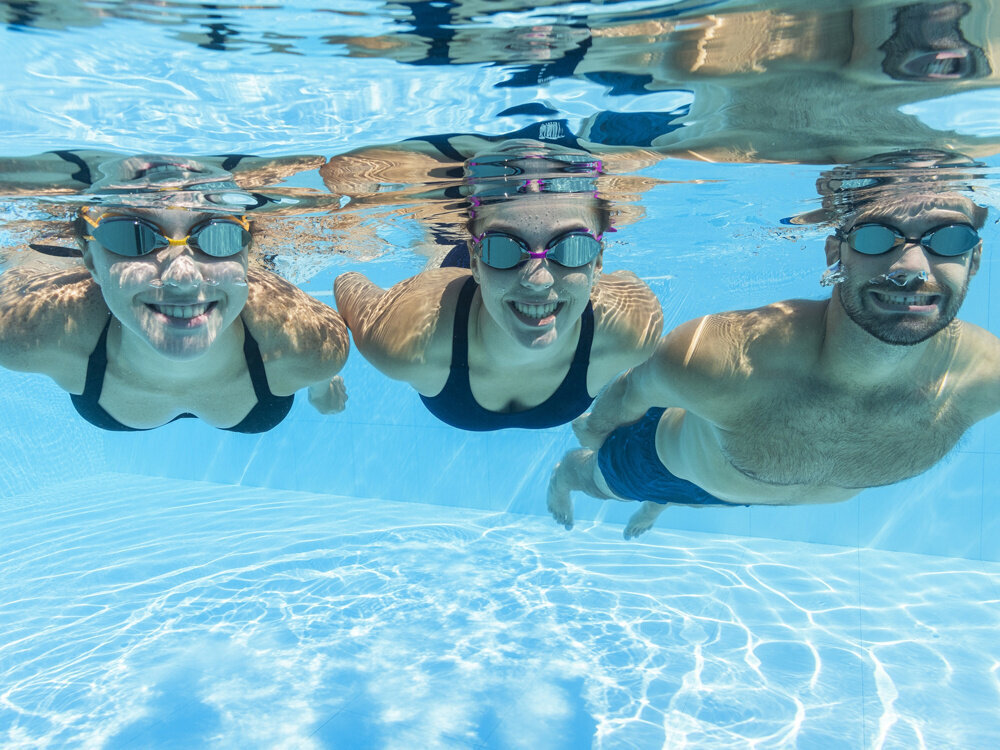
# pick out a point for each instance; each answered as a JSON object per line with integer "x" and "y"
{"x": 633, "y": 470}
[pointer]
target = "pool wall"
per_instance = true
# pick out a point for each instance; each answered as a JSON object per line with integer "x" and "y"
{"x": 386, "y": 446}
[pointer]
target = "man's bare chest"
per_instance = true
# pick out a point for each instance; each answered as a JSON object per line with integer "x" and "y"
{"x": 818, "y": 435}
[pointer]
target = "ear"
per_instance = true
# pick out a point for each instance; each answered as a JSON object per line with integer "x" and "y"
{"x": 832, "y": 250}
{"x": 977, "y": 255}
{"x": 600, "y": 260}
{"x": 473, "y": 261}
{"x": 88, "y": 258}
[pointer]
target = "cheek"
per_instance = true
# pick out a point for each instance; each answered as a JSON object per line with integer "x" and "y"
{"x": 124, "y": 274}
{"x": 226, "y": 272}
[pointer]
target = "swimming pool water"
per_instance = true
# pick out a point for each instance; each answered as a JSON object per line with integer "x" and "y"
{"x": 377, "y": 580}
{"x": 146, "y": 612}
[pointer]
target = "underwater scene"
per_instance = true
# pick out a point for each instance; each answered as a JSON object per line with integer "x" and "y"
{"x": 473, "y": 374}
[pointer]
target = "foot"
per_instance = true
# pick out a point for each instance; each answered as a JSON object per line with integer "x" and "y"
{"x": 643, "y": 519}
{"x": 560, "y": 503}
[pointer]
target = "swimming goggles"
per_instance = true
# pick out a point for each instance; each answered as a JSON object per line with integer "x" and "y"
{"x": 947, "y": 240}
{"x": 573, "y": 249}
{"x": 133, "y": 237}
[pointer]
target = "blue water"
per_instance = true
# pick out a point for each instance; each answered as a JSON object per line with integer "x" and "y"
{"x": 145, "y": 612}
{"x": 377, "y": 580}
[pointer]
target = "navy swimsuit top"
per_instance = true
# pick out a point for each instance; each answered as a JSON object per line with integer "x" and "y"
{"x": 265, "y": 414}
{"x": 455, "y": 404}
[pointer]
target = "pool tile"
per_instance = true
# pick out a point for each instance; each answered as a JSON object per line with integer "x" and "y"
{"x": 519, "y": 465}
{"x": 936, "y": 513}
{"x": 430, "y": 465}
{"x": 990, "y": 522}
{"x": 833, "y": 523}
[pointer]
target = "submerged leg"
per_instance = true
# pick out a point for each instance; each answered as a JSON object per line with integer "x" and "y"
{"x": 643, "y": 519}
{"x": 577, "y": 472}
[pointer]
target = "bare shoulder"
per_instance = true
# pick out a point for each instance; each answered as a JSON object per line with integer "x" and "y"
{"x": 627, "y": 315}
{"x": 49, "y": 320}
{"x": 399, "y": 329}
{"x": 724, "y": 356}
{"x": 979, "y": 359}
{"x": 300, "y": 338}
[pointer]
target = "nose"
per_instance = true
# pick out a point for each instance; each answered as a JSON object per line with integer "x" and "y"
{"x": 536, "y": 274}
{"x": 911, "y": 264}
{"x": 180, "y": 269}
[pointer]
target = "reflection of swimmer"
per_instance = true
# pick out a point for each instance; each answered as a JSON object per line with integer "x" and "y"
{"x": 528, "y": 334}
{"x": 806, "y": 401}
{"x": 166, "y": 322}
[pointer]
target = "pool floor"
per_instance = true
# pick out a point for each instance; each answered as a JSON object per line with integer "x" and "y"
{"x": 140, "y": 612}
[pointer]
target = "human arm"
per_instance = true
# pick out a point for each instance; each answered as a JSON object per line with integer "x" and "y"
{"x": 49, "y": 322}
{"x": 397, "y": 329}
{"x": 686, "y": 370}
{"x": 303, "y": 342}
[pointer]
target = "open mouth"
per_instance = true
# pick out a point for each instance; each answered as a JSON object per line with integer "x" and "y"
{"x": 536, "y": 314}
{"x": 186, "y": 316}
{"x": 903, "y": 302}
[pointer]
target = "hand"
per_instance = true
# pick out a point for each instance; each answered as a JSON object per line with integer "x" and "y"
{"x": 328, "y": 397}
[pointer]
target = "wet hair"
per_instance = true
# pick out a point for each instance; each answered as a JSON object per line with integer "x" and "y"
{"x": 912, "y": 180}
{"x": 916, "y": 203}
{"x": 602, "y": 207}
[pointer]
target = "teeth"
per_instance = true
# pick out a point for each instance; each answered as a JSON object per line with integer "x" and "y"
{"x": 905, "y": 299}
{"x": 536, "y": 311}
{"x": 181, "y": 311}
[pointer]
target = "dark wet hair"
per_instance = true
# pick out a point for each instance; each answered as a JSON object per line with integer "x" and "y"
{"x": 913, "y": 178}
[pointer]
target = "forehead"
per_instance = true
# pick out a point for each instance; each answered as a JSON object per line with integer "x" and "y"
{"x": 165, "y": 218}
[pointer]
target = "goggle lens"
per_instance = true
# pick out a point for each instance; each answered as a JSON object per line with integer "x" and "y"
{"x": 129, "y": 237}
{"x": 950, "y": 240}
{"x": 222, "y": 238}
{"x": 502, "y": 251}
{"x": 574, "y": 250}
{"x": 953, "y": 240}
{"x": 134, "y": 237}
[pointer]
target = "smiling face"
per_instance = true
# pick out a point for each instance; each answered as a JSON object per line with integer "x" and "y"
{"x": 177, "y": 299}
{"x": 538, "y": 301}
{"x": 908, "y": 294}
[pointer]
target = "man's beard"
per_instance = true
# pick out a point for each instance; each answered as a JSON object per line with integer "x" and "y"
{"x": 899, "y": 329}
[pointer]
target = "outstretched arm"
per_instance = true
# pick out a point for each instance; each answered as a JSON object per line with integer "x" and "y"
{"x": 684, "y": 371}
{"x": 395, "y": 328}
{"x": 49, "y": 322}
{"x": 303, "y": 342}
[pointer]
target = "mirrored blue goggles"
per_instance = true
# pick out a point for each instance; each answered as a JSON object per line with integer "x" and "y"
{"x": 502, "y": 251}
{"x": 947, "y": 240}
{"x": 133, "y": 237}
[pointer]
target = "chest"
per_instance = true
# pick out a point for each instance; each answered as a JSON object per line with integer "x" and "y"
{"x": 222, "y": 402}
{"x": 814, "y": 434}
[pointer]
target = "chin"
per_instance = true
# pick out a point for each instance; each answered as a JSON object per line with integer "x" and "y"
{"x": 181, "y": 348}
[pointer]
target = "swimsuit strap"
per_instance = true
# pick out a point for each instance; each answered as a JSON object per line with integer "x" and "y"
{"x": 582, "y": 355}
{"x": 460, "y": 333}
{"x": 97, "y": 365}
{"x": 255, "y": 366}
{"x": 269, "y": 410}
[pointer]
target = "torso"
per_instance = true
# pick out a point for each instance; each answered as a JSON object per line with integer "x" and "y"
{"x": 222, "y": 400}
{"x": 799, "y": 439}
{"x": 480, "y": 393}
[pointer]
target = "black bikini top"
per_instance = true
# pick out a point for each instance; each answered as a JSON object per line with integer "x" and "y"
{"x": 267, "y": 413}
{"x": 455, "y": 404}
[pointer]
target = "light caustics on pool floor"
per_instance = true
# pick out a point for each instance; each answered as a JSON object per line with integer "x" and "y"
{"x": 167, "y": 614}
